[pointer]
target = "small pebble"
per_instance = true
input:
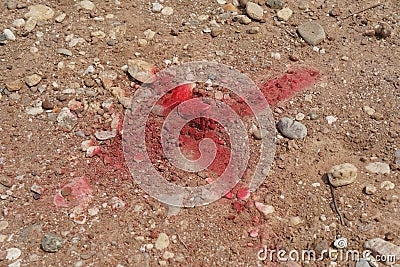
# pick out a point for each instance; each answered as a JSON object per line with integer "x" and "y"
{"x": 33, "y": 80}
{"x": 51, "y": 243}
{"x": 294, "y": 221}
{"x": 275, "y": 4}
{"x": 162, "y": 241}
{"x": 264, "y": 209}
{"x": 64, "y": 51}
{"x": 13, "y": 254}
{"x": 387, "y": 185}
{"x": 167, "y": 11}
{"x": 60, "y": 18}
{"x": 3, "y": 225}
{"x": 284, "y": 14}
{"x": 370, "y": 189}
{"x": 369, "y": 111}
{"x": 378, "y": 168}
{"x": 331, "y": 119}
{"x": 254, "y": 11}
{"x": 9, "y": 34}
{"x": 88, "y": 5}
{"x": 300, "y": 116}
{"x": 291, "y": 129}
{"x": 312, "y": 33}
{"x": 156, "y": 7}
{"x": 254, "y": 30}
{"x": 343, "y": 174}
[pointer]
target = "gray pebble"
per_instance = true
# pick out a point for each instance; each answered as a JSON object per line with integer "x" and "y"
{"x": 312, "y": 33}
{"x": 254, "y": 11}
{"x": 379, "y": 246}
{"x": 292, "y": 129}
{"x": 3, "y": 39}
{"x": 66, "y": 119}
{"x": 51, "y": 243}
{"x": 275, "y": 4}
{"x": 397, "y": 157}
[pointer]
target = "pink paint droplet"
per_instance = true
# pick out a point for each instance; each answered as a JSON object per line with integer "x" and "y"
{"x": 243, "y": 193}
{"x": 229, "y": 195}
{"x": 253, "y": 233}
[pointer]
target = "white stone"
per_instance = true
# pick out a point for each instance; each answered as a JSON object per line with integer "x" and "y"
{"x": 370, "y": 189}
{"x": 18, "y": 23}
{"x": 13, "y": 254}
{"x": 368, "y": 110}
{"x": 284, "y": 14}
{"x": 387, "y": 185}
{"x": 88, "y": 5}
{"x": 60, "y": 18}
{"x": 378, "y": 167}
{"x": 156, "y": 7}
{"x": 39, "y": 12}
{"x": 162, "y": 241}
{"x": 9, "y": 34}
{"x": 331, "y": 119}
{"x": 264, "y": 209}
{"x": 167, "y": 11}
{"x": 149, "y": 34}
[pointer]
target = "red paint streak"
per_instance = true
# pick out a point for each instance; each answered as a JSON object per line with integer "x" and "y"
{"x": 293, "y": 81}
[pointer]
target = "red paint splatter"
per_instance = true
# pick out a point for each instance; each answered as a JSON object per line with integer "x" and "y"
{"x": 238, "y": 206}
{"x": 79, "y": 193}
{"x": 284, "y": 87}
{"x": 173, "y": 98}
{"x": 243, "y": 193}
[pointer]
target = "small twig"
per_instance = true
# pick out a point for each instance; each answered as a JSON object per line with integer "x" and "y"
{"x": 183, "y": 243}
{"x": 363, "y": 10}
{"x": 335, "y": 204}
{"x": 290, "y": 33}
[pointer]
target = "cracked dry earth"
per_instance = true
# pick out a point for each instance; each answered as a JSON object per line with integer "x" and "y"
{"x": 66, "y": 195}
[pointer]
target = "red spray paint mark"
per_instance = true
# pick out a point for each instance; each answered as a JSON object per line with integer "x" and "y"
{"x": 293, "y": 81}
{"x": 77, "y": 192}
{"x": 111, "y": 158}
{"x": 274, "y": 90}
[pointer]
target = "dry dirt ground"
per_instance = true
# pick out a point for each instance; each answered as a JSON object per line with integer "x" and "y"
{"x": 114, "y": 222}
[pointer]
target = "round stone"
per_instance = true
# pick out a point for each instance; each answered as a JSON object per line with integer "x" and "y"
{"x": 312, "y": 33}
{"x": 343, "y": 174}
